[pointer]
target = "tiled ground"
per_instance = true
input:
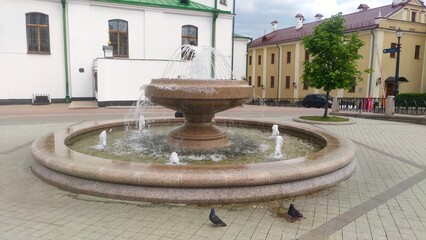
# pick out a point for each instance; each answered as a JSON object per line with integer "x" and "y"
{"x": 384, "y": 199}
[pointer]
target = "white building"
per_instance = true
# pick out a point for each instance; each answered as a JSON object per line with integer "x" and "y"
{"x": 55, "y": 47}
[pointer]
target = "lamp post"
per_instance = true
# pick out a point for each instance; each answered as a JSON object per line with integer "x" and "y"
{"x": 398, "y": 52}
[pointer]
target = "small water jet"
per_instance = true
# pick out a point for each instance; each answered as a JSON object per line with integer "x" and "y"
{"x": 275, "y": 131}
{"x": 174, "y": 158}
{"x": 102, "y": 143}
{"x": 278, "y": 144}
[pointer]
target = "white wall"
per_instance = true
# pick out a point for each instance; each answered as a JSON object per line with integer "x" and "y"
{"x": 22, "y": 74}
{"x": 228, "y": 7}
{"x": 120, "y": 80}
{"x": 240, "y": 62}
{"x": 154, "y": 34}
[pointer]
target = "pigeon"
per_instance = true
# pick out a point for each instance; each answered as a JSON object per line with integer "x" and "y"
{"x": 294, "y": 213}
{"x": 215, "y": 219}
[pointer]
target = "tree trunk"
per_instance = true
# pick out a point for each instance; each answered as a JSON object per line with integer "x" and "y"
{"x": 326, "y": 105}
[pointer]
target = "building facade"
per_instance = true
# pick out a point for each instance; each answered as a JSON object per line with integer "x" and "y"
{"x": 59, "y": 47}
{"x": 275, "y": 61}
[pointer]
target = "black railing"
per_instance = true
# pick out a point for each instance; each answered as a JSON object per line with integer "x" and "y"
{"x": 410, "y": 106}
{"x": 375, "y": 105}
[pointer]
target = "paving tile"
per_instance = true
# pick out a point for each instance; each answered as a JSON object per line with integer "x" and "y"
{"x": 384, "y": 199}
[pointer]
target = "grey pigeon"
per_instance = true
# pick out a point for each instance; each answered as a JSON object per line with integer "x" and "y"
{"x": 293, "y": 212}
{"x": 215, "y": 219}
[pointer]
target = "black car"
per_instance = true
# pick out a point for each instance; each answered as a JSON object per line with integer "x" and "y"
{"x": 316, "y": 100}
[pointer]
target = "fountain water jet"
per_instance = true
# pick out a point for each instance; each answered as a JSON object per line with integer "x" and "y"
{"x": 275, "y": 131}
{"x": 141, "y": 123}
{"x": 278, "y": 144}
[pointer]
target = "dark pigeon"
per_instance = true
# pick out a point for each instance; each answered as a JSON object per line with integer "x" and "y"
{"x": 294, "y": 213}
{"x": 215, "y": 219}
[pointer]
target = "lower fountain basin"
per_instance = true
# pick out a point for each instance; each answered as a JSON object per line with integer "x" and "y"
{"x": 55, "y": 163}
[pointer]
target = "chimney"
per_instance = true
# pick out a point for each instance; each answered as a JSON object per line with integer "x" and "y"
{"x": 299, "y": 21}
{"x": 363, "y": 7}
{"x": 274, "y": 25}
{"x": 318, "y": 17}
{"x": 398, "y": 2}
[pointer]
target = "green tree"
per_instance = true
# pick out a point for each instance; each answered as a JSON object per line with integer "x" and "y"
{"x": 335, "y": 55}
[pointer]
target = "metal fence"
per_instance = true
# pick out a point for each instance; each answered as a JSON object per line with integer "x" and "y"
{"x": 375, "y": 105}
{"x": 378, "y": 105}
{"x": 410, "y": 106}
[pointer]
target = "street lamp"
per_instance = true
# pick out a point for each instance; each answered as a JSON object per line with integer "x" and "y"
{"x": 398, "y": 52}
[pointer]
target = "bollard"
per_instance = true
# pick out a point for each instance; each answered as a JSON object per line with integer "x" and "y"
{"x": 335, "y": 106}
{"x": 390, "y": 105}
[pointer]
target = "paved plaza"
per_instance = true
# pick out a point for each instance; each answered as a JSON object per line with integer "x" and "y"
{"x": 384, "y": 199}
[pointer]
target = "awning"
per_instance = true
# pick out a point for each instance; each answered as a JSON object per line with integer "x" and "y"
{"x": 392, "y": 79}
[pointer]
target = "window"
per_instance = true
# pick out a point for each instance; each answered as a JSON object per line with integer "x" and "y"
{"x": 259, "y": 81}
{"x": 305, "y": 86}
{"x": 306, "y": 56}
{"x": 392, "y": 55}
{"x": 288, "y": 57}
{"x": 417, "y": 52}
{"x": 272, "y": 81}
{"x": 259, "y": 59}
{"x": 119, "y": 37}
{"x": 273, "y": 58}
{"x": 287, "y": 82}
{"x": 249, "y": 60}
{"x": 37, "y": 33}
{"x": 189, "y": 35}
{"x": 249, "y": 80}
{"x": 413, "y": 16}
{"x": 352, "y": 89}
{"x": 223, "y": 2}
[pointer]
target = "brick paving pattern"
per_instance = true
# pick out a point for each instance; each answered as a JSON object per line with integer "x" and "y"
{"x": 384, "y": 199}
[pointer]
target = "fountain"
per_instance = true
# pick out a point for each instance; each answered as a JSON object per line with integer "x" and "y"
{"x": 197, "y": 82}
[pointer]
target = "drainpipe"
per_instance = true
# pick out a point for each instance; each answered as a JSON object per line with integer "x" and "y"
{"x": 215, "y": 15}
{"x": 371, "y": 64}
{"x": 278, "y": 78}
{"x": 64, "y": 21}
{"x": 233, "y": 39}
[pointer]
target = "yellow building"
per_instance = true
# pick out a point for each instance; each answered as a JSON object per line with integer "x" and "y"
{"x": 275, "y": 61}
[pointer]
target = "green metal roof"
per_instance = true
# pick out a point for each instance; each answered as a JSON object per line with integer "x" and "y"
{"x": 240, "y": 36}
{"x": 175, "y": 4}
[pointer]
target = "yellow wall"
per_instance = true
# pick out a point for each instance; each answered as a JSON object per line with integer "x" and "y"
{"x": 414, "y": 33}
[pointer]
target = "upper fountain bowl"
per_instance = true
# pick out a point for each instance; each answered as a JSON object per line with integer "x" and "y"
{"x": 198, "y": 101}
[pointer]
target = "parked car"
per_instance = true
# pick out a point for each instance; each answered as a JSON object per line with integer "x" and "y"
{"x": 316, "y": 100}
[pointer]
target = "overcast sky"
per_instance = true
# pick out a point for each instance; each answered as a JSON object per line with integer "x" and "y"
{"x": 254, "y": 17}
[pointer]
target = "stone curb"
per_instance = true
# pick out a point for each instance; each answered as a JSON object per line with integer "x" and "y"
{"x": 298, "y": 119}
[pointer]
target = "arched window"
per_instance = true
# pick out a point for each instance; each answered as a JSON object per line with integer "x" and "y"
{"x": 37, "y": 33}
{"x": 119, "y": 37}
{"x": 190, "y": 35}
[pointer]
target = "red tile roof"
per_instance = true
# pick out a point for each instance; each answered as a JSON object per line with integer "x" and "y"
{"x": 356, "y": 21}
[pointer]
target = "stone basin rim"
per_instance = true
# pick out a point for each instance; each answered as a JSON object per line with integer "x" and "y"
{"x": 338, "y": 153}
